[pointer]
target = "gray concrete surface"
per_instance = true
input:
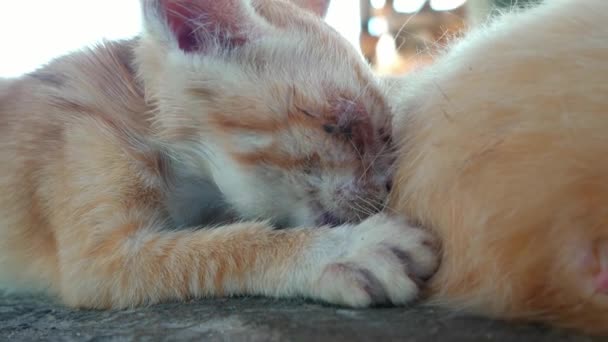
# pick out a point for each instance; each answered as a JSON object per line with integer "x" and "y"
{"x": 36, "y": 318}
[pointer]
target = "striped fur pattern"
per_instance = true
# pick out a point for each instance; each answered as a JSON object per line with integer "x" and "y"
{"x": 503, "y": 153}
{"x": 158, "y": 168}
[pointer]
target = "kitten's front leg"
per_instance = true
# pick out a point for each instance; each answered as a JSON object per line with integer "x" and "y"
{"x": 132, "y": 261}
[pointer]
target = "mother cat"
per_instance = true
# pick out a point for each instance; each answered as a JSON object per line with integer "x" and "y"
{"x": 503, "y": 154}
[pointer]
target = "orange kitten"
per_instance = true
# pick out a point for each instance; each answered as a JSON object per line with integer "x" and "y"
{"x": 503, "y": 154}
{"x": 233, "y": 110}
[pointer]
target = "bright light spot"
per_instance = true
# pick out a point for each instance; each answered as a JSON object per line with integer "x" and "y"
{"x": 386, "y": 51}
{"x": 446, "y": 5}
{"x": 378, "y": 4}
{"x": 377, "y": 26}
{"x": 408, "y": 6}
{"x": 345, "y": 17}
{"x": 33, "y": 32}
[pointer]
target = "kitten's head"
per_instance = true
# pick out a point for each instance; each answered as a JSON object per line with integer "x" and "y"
{"x": 284, "y": 112}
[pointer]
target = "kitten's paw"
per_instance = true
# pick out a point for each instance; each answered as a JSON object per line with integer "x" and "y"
{"x": 379, "y": 261}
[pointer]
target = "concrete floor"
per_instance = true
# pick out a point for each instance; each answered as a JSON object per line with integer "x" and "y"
{"x": 34, "y": 318}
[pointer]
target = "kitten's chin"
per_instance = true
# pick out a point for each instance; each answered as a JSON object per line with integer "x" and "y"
{"x": 311, "y": 218}
{"x": 329, "y": 219}
{"x": 294, "y": 222}
{"x": 325, "y": 219}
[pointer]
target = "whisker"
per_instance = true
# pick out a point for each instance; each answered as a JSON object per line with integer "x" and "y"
{"x": 382, "y": 205}
{"x": 406, "y": 23}
{"x": 362, "y": 209}
{"x": 371, "y": 163}
{"x": 427, "y": 43}
{"x": 371, "y": 206}
{"x": 356, "y": 150}
{"x": 357, "y": 212}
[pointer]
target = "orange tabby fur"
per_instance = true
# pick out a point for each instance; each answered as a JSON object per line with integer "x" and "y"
{"x": 504, "y": 144}
{"x": 95, "y": 145}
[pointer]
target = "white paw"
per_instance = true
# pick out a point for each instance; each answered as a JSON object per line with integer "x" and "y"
{"x": 382, "y": 260}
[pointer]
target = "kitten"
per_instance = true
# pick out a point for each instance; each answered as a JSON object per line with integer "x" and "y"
{"x": 121, "y": 165}
{"x": 502, "y": 153}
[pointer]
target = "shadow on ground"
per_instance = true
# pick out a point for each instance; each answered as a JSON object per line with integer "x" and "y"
{"x": 35, "y": 318}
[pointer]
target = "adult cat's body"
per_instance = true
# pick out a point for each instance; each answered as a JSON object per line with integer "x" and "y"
{"x": 503, "y": 153}
{"x": 220, "y": 110}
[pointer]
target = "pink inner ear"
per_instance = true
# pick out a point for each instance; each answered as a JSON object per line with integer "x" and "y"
{"x": 595, "y": 261}
{"x": 195, "y": 23}
{"x": 179, "y": 18}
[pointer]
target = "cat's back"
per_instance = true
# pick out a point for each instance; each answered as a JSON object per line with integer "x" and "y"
{"x": 45, "y": 116}
{"x": 41, "y": 111}
{"x": 98, "y": 82}
{"x": 504, "y": 155}
{"x": 539, "y": 75}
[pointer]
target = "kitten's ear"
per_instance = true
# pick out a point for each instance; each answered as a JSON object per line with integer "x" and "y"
{"x": 318, "y": 7}
{"x": 199, "y": 25}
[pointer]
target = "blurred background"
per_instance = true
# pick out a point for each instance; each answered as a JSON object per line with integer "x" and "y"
{"x": 395, "y": 36}
{"x": 398, "y": 36}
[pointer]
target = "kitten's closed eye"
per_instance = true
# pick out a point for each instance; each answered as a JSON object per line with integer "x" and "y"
{"x": 344, "y": 131}
{"x": 329, "y": 129}
{"x": 307, "y": 113}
